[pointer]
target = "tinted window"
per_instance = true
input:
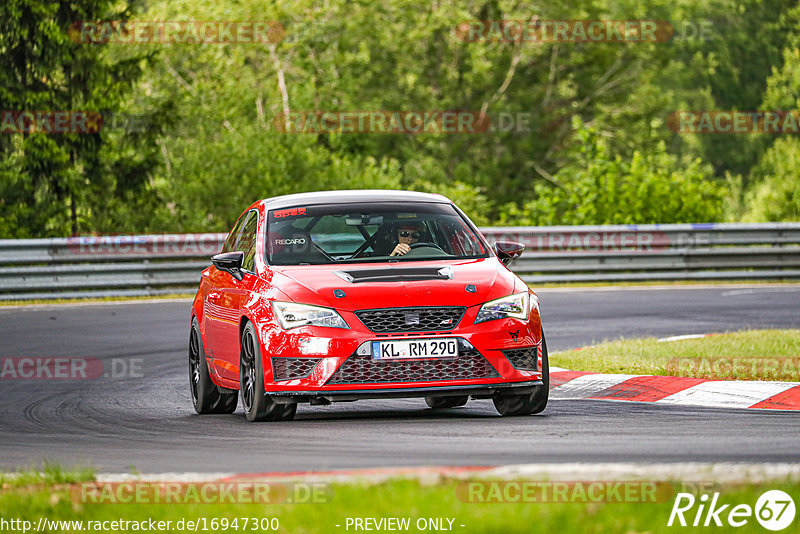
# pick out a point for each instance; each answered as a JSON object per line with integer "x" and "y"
{"x": 230, "y": 242}
{"x": 247, "y": 242}
{"x": 368, "y": 232}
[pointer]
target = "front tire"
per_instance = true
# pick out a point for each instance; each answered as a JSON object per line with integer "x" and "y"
{"x": 207, "y": 398}
{"x": 527, "y": 403}
{"x": 257, "y": 405}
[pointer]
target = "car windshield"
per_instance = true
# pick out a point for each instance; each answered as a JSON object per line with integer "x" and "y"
{"x": 340, "y": 233}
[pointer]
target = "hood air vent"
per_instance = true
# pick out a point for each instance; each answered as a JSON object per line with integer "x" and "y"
{"x": 396, "y": 274}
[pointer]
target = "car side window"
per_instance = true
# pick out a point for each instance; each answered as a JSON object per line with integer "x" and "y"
{"x": 230, "y": 242}
{"x": 247, "y": 242}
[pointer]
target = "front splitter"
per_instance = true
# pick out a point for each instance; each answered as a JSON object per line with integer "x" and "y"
{"x": 476, "y": 391}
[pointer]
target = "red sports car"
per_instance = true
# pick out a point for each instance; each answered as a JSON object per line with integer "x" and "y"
{"x": 345, "y": 295}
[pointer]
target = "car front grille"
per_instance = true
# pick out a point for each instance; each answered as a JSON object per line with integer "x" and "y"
{"x": 292, "y": 368}
{"x": 364, "y": 370}
{"x": 430, "y": 319}
{"x": 525, "y": 359}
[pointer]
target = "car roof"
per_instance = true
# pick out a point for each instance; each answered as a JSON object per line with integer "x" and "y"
{"x": 350, "y": 196}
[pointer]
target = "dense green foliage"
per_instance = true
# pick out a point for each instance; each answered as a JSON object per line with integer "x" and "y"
{"x": 56, "y": 184}
{"x": 589, "y": 143}
{"x": 599, "y": 188}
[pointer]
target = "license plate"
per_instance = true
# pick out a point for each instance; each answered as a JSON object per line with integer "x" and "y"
{"x": 400, "y": 349}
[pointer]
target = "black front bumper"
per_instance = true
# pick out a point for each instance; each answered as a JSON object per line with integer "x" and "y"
{"x": 482, "y": 391}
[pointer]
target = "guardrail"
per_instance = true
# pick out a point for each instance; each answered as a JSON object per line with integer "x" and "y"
{"x": 658, "y": 252}
{"x": 161, "y": 264}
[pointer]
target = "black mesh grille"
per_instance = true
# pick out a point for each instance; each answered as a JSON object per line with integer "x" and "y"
{"x": 525, "y": 359}
{"x": 290, "y": 368}
{"x": 365, "y": 370}
{"x": 411, "y": 319}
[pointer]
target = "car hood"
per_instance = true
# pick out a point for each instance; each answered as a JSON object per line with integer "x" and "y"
{"x": 381, "y": 285}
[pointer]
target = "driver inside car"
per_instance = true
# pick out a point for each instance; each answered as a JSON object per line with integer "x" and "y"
{"x": 407, "y": 234}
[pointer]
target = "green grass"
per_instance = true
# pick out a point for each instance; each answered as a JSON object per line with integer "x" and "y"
{"x": 446, "y": 498}
{"x": 746, "y": 355}
{"x": 49, "y": 474}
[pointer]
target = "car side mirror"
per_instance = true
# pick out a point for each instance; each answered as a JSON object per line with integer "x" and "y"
{"x": 508, "y": 250}
{"x": 230, "y": 262}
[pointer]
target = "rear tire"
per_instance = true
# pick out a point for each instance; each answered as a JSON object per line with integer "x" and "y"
{"x": 438, "y": 403}
{"x": 206, "y": 396}
{"x": 527, "y": 403}
{"x": 257, "y": 405}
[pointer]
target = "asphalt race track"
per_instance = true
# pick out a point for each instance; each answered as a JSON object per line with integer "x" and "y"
{"x": 142, "y": 418}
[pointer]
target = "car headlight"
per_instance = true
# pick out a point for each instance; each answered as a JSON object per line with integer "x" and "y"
{"x": 514, "y": 306}
{"x": 292, "y": 315}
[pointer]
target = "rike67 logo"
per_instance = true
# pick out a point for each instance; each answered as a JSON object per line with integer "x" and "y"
{"x": 774, "y": 510}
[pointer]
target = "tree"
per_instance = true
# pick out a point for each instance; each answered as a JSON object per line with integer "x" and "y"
{"x": 60, "y": 183}
{"x": 774, "y": 194}
{"x": 599, "y": 188}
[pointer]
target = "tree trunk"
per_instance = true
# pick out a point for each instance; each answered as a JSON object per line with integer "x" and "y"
{"x": 73, "y": 214}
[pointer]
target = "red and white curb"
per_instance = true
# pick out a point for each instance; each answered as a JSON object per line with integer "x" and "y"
{"x": 673, "y": 390}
